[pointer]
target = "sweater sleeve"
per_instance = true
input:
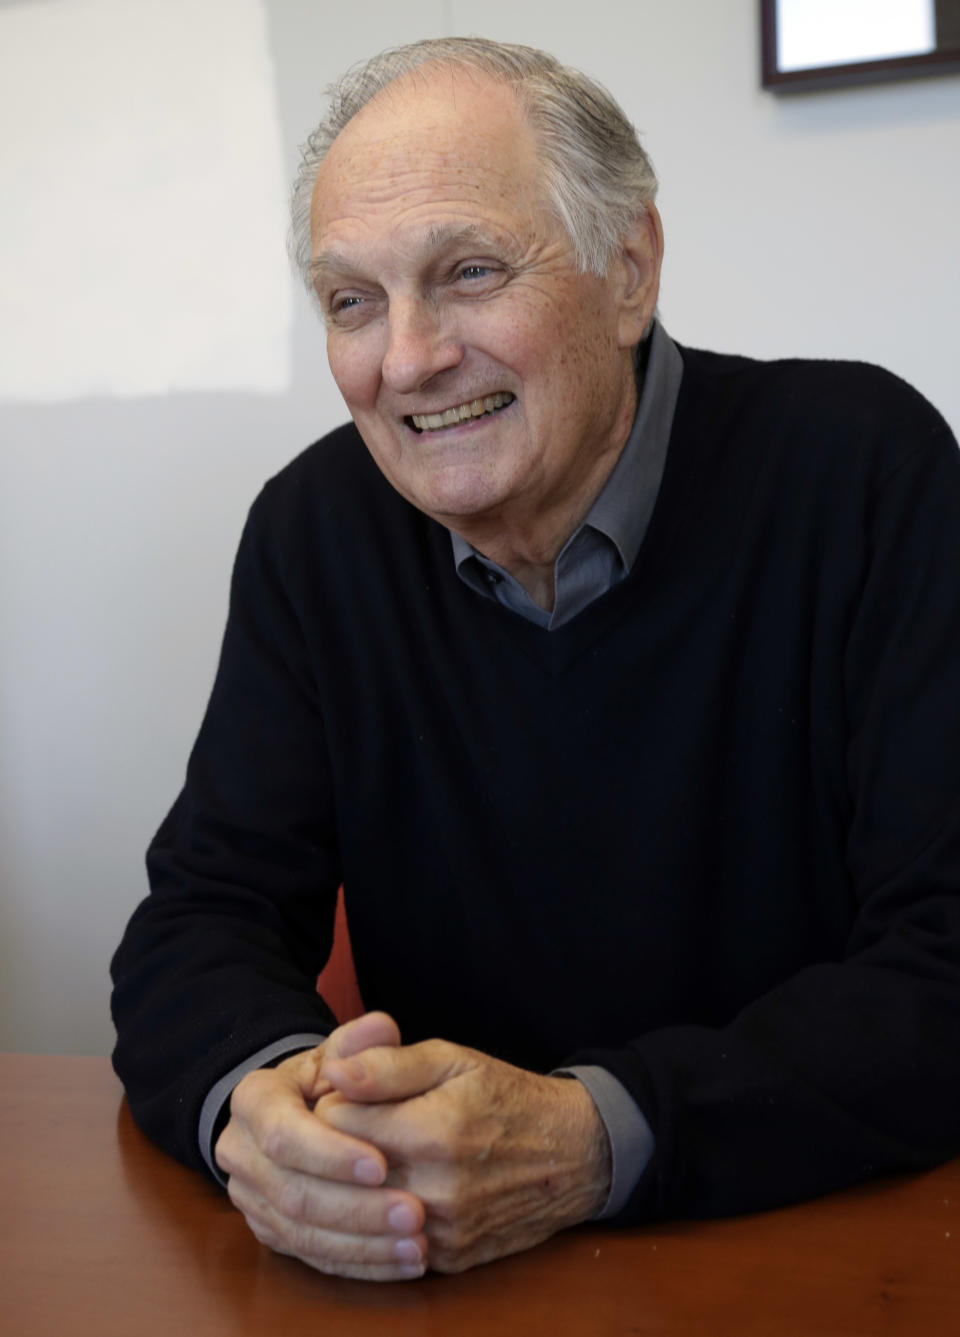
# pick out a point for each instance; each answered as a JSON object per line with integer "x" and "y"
{"x": 222, "y": 957}
{"x": 852, "y": 1067}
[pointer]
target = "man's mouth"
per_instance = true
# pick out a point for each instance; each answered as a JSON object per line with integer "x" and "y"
{"x": 475, "y": 408}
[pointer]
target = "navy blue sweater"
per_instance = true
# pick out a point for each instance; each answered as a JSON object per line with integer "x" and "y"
{"x": 707, "y": 834}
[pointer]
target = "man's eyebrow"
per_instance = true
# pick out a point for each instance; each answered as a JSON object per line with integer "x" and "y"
{"x": 326, "y": 260}
{"x": 445, "y": 236}
{"x": 450, "y": 235}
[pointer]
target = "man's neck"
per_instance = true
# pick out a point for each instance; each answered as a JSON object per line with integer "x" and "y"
{"x": 528, "y": 546}
{"x": 529, "y": 552}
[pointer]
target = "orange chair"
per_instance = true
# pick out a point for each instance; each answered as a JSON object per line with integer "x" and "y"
{"x": 337, "y": 981}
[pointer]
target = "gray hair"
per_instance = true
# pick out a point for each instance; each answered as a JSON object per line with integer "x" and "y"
{"x": 598, "y": 178}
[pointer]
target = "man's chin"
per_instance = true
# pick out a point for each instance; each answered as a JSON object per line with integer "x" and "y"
{"x": 460, "y": 513}
{"x": 456, "y": 496}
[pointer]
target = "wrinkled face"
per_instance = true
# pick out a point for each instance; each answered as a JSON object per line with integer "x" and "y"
{"x": 489, "y": 380}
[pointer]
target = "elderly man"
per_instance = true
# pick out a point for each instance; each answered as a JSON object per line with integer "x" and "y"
{"x": 618, "y": 684}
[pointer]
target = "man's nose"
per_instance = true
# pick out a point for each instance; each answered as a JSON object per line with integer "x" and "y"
{"x": 422, "y": 341}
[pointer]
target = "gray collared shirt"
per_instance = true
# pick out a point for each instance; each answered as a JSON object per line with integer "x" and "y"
{"x": 603, "y": 548}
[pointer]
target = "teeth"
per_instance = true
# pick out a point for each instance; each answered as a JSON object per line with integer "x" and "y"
{"x": 429, "y": 422}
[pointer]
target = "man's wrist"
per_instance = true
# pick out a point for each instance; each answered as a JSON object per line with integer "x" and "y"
{"x": 588, "y": 1146}
{"x": 215, "y": 1109}
{"x": 629, "y": 1135}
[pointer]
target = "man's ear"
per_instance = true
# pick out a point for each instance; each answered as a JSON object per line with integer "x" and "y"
{"x": 639, "y": 269}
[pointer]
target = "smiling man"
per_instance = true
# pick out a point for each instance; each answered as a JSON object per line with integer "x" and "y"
{"x": 616, "y": 682}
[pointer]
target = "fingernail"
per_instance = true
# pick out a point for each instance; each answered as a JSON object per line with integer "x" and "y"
{"x": 401, "y": 1218}
{"x": 367, "y": 1171}
{"x": 407, "y": 1251}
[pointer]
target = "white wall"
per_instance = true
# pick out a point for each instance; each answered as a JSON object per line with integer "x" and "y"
{"x": 825, "y": 224}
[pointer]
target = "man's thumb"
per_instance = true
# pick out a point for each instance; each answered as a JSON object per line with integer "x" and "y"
{"x": 371, "y": 1031}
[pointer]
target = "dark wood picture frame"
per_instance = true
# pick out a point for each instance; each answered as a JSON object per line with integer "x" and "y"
{"x": 944, "y": 60}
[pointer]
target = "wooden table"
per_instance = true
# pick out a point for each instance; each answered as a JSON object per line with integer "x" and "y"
{"x": 102, "y": 1234}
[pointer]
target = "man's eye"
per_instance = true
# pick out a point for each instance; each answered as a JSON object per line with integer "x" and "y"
{"x": 474, "y": 271}
{"x": 345, "y": 303}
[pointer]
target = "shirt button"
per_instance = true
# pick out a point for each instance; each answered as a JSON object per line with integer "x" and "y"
{"x": 493, "y": 577}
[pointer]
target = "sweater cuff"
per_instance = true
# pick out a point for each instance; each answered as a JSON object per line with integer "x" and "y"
{"x": 631, "y": 1141}
{"x": 219, "y": 1095}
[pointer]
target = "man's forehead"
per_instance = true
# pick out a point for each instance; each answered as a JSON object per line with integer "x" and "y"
{"x": 430, "y": 153}
{"x": 441, "y": 114}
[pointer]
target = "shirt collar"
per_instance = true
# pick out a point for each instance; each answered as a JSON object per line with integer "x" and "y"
{"x": 623, "y": 508}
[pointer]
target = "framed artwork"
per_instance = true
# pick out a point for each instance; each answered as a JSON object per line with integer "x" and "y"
{"x": 809, "y": 44}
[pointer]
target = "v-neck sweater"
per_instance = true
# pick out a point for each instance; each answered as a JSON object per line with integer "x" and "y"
{"x": 705, "y": 835}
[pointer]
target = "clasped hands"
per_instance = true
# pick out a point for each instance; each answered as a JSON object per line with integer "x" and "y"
{"x": 371, "y": 1159}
